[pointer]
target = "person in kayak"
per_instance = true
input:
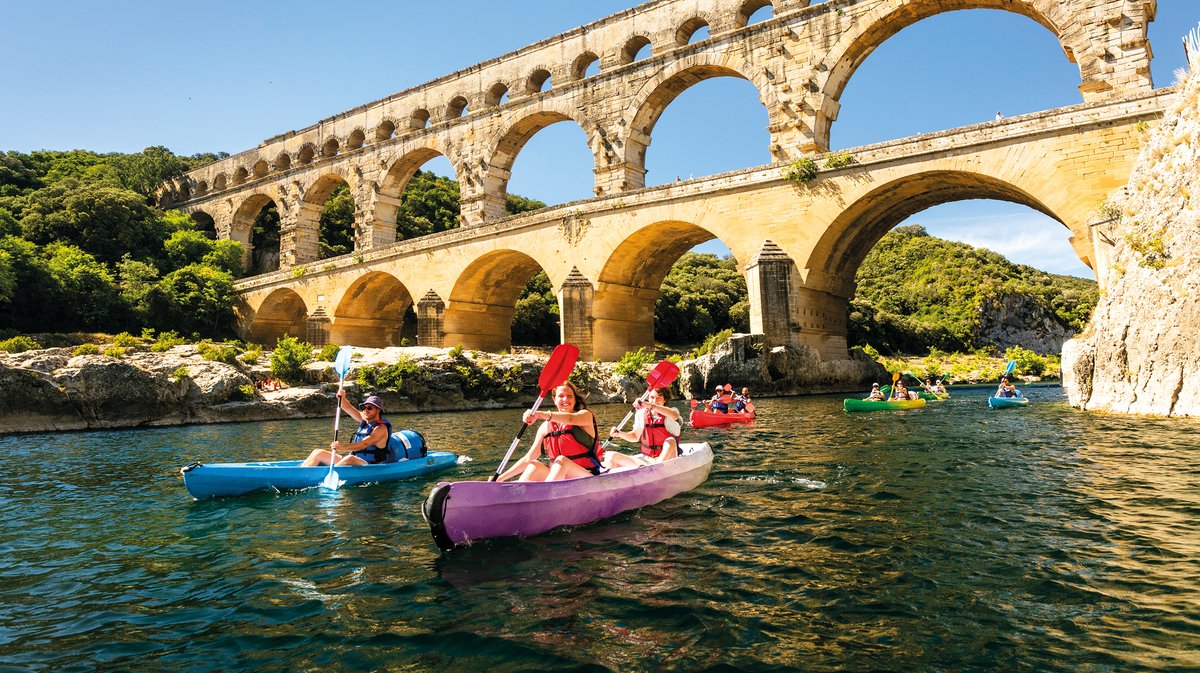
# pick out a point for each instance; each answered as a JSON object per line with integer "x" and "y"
{"x": 939, "y": 388}
{"x": 1007, "y": 389}
{"x": 876, "y": 394}
{"x": 569, "y": 437}
{"x": 899, "y": 391}
{"x": 370, "y": 442}
{"x": 740, "y": 401}
{"x": 722, "y": 399}
{"x": 656, "y": 427}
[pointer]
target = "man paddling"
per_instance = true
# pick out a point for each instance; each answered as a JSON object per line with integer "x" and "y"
{"x": 370, "y": 442}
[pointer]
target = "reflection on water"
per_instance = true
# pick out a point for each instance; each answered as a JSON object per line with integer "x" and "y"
{"x": 952, "y": 538}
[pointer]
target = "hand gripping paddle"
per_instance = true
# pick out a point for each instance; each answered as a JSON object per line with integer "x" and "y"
{"x": 341, "y": 365}
{"x": 660, "y": 377}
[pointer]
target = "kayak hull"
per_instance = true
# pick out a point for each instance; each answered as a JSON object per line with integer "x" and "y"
{"x": 1007, "y": 402}
{"x": 213, "y": 480}
{"x": 463, "y": 512}
{"x": 881, "y": 405}
{"x": 707, "y": 419}
{"x": 933, "y": 397}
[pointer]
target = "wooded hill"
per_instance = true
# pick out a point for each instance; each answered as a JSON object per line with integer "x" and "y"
{"x": 916, "y": 291}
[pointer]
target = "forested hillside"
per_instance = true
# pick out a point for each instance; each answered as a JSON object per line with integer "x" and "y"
{"x": 916, "y": 291}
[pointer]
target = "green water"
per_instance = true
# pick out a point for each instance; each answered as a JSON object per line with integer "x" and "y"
{"x": 951, "y": 538}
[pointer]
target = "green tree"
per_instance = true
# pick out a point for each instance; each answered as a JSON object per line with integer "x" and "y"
{"x": 226, "y": 256}
{"x": 138, "y": 282}
{"x": 145, "y": 171}
{"x": 185, "y": 247}
{"x": 264, "y": 241}
{"x": 86, "y": 296}
{"x": 107, "y": 222}
{"x": 429, "y": 204}
{"x": 337, "y": 223}
{"x": 197, "y": 298}
{"x": 701, "y": 295}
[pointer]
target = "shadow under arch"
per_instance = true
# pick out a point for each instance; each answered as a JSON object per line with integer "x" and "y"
{"x": 283, "y": 312}
{"x": 261, "y": 256}
{"x": 307, "y": 240}
{"x": 509, "y": 144}
{"x": 630, "y": 283}
{"x": 875, "y": 28}
{"x": 647, "y": 107}
{"x": 480, "y": 312}
{"x": 848, "y": 239}
{"x": 371, "y": 312}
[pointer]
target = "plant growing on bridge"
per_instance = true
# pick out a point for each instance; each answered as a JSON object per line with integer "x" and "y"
{"x": 801, "y": 170}
{"x": 1148, "y": 246}
{"x": 842, "y": 159}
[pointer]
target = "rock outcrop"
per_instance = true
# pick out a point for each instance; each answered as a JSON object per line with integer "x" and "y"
{"x": 744, "y": 361}
{"x": 50, "y": 390}
{"x": 1139, "y": 354}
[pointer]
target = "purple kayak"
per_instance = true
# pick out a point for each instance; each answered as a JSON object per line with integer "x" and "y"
{"x": 462, "y": 512}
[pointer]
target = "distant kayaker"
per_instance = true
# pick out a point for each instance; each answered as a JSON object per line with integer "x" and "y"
{"x": 656, "y": 426}
{"x": 939, "y": 388}
{"x": 876, "y": 394}
{"x": 569, "y": 437}
{"x": 899, "y": 391}
{"x": 722, "y": 399}
{"x": 370, "y": 442}
{"x": 740, "y": 401}
{"x": 1007, "y": 389}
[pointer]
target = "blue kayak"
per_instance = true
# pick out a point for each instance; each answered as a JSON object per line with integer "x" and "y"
{"x": 1006, "y": 402}
{"x": 220, "y": 479}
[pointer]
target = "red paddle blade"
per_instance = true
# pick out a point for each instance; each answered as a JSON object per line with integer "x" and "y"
{"x": 693, "y": 403}
{"x": 662, "y": 375}
{"x": 558, "y": 367}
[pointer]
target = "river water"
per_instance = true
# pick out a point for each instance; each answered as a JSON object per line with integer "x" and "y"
{"x": 951, "y": 538}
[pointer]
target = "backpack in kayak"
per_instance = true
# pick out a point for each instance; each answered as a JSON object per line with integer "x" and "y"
{"x": 406, "y": 444}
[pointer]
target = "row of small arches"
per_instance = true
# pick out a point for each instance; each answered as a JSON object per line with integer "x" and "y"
{"x": 584, "y": 66}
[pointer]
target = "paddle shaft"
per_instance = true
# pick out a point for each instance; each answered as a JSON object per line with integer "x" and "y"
{"x": 337, "y": 418}
{"x": 517, "y": 440}
{"x": 624, "y": 420}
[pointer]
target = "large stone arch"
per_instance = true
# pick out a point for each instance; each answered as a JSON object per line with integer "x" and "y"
{"x": 484, "y": 299}
{"x": 305, "y": 238}
{"x": 889, "y": 17}
{"x": 371, "y": 312}
{"x": 283, "y": 312}
{"x": 509, "y": 142}
{"x": 846, "y": 241}
{"x": 630, "y": 282}
{"x": 648, "y": 105}
{"x": 242, "y": 225}
{"x": 389, "y": 188}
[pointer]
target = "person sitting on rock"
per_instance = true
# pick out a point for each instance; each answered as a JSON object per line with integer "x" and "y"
{"x": 876, "y": 394}
{"x": 370, "y": 442}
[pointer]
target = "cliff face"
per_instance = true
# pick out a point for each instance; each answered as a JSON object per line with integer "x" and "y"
{"x": 1139, "y": 354}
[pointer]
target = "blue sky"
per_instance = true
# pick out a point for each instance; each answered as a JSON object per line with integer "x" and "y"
{"x": 224, "y": 75}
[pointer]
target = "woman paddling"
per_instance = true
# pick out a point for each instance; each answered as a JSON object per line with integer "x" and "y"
{"x": 370, "y": 442}
{"x": 656, "y": 427}
{"x": 1007, "y": 389}
{"x": 569, "y": 437}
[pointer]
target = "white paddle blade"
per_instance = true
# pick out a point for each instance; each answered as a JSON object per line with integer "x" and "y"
{"x": 331, "y": 481}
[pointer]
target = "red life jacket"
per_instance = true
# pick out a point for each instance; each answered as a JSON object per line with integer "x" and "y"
{"x": 655, "y": 434}
{"x": 573, "y": 443}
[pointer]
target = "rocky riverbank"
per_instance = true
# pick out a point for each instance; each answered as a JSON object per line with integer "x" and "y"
{"x": 52, "y": 390}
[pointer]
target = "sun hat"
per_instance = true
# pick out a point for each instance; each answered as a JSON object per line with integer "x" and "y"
{"x": 374, "y": 401}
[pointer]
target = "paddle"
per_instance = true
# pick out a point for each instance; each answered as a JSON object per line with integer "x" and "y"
{"x": 341, "y": 365}
{"x": 660, "y": 377}
{"x": 920, "y": 382}
{"x": 557, "y": 369}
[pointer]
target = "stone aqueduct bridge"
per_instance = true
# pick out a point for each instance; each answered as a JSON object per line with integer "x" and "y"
{"x": 799, "y": 244}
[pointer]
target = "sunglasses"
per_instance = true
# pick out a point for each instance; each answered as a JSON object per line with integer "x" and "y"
{"x": 364, "y": 407}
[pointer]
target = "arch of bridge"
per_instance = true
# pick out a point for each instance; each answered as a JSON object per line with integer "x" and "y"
{"x": 658, "y": 92}
{"x": 282, "y": 312}
{"x": 483, "y": 301}
{"x": 370, "y": 312}
{"x": 889, "y": 17}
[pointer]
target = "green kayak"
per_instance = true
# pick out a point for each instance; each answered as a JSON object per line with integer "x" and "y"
{"x": 882, "y": 405}
{"x": 933, "y": 397}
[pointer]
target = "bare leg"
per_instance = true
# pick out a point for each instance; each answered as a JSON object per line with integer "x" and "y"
{"x": 562, "y": 468}
{"x": 535, "y": 471}
{"x": 317, "y": 457}
{"x": 670, "y": 450}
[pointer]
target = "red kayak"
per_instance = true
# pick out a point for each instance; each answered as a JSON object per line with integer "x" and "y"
{"x": 705, "y": 419}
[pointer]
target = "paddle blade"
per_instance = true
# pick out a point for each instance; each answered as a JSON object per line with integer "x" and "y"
{"x": 341, "y": 364}
{"x": 1008, "y": 369}
{"x": 895, "y": 377}
{"x": 662, "y": 375}
{"x": 693, "y": 403}
{"x": 558, "y": 367}
{"x": 331, "y": 481}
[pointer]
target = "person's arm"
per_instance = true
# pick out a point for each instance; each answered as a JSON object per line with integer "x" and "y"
{"x": 659, "y": 408}
{"x": 347, "y": 407}
{"x": 535, "y": 451}
{"x": 582, "y": 418}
